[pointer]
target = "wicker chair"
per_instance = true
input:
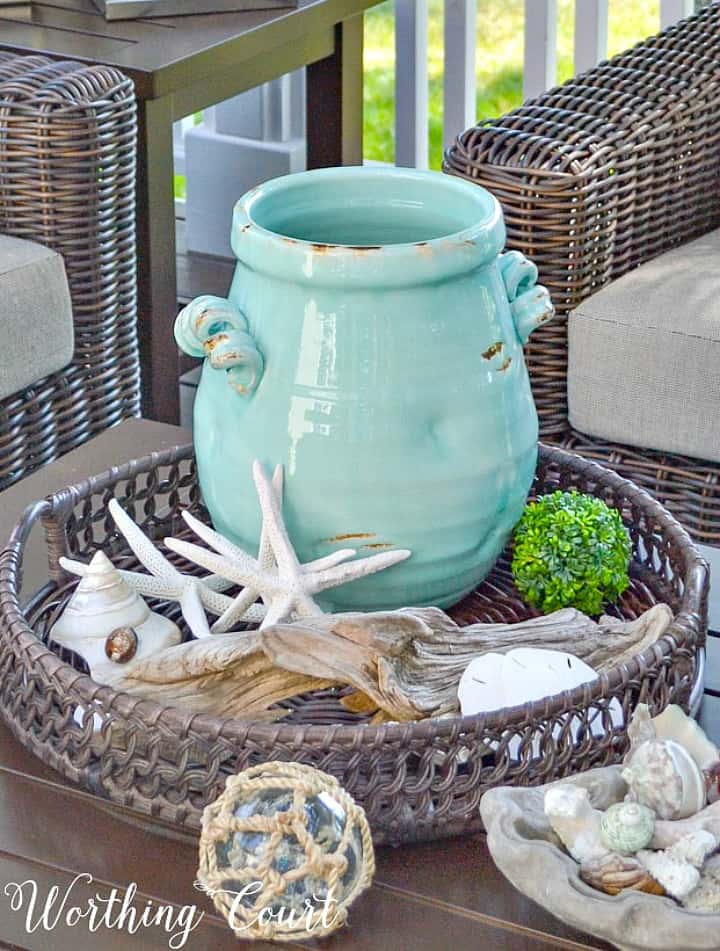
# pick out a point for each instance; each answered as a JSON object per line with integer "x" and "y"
{"x": 67, "y": 180}
{"x": 596, "y": 177}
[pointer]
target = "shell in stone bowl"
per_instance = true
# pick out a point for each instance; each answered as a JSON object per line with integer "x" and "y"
{"x": 530, "y": 855}
{"x": 627, "y": 827}
{"x": 662, "y": 775}
{"x": 614, "y": 873}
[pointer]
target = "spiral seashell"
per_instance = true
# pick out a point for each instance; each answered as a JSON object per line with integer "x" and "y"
{"x": 626, "y": 827}
{"x": 108, "y": 624}
{"x": 614, "y": 873}
{"x": 663, "y": 776}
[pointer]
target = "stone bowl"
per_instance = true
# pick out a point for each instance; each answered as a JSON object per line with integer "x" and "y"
{"x": 530, "y": 855}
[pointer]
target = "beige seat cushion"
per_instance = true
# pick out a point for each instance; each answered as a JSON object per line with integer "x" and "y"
{"x": 36, "y": 321}
{"x": 644, "y": 355}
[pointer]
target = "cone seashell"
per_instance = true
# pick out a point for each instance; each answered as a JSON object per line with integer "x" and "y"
{"x": 662, "y": 775}
{"x": 626, "y": 827}
{"x": 101, "y": 605}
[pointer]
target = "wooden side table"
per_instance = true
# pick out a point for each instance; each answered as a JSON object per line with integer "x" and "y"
{"x": 181, "y": 65}
{"x": 425, "y": 897}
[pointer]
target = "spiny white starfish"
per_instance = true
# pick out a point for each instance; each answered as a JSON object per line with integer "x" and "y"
{"x": 165, "y": 581}
{"x": 285, "y": 585}
{"x": 244, "y": 602}
{"x": 265, "y": 561}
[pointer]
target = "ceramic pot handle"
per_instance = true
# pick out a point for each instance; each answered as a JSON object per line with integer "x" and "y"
{"x": 530, "y": 302}
{"x": 212, "y": 327}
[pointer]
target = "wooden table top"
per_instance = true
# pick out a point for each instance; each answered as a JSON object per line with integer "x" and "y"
{"x": 162, "y": 54}
{"x": 425, "y": 897}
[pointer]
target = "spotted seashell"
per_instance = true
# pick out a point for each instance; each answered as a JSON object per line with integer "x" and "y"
{"x": 121, "y": 645}
{"x": 627, "y": 827}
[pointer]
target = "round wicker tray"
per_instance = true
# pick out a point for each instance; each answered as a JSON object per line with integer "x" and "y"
{"x": 416, "y": 780}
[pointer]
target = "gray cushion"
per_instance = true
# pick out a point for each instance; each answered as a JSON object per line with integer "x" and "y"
{"x": 36, "y": 324}
{"x": 644, "y": 355}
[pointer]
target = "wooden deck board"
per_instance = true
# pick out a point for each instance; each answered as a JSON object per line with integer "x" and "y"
{"x": 199, "y": 273}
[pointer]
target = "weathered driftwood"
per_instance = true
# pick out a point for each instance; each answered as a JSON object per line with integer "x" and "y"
{"x": 224, "y": 675}
{"x": 404, "y": 665}
{"x": 408, "y": 663}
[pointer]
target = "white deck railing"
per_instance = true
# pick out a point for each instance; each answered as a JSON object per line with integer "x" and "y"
{"x": 411, "y": 88}
{"x": 539, "y": 68}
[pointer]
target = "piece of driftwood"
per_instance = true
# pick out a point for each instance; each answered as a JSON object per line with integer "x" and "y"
{"x": 408, "y": 663}
{"x": 224, "y": 675}
{"x": 404, "y": 665}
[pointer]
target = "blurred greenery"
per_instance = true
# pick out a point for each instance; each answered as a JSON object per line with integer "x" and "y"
{"x": 499, "y": 62}
{"x": 499, "y": 59}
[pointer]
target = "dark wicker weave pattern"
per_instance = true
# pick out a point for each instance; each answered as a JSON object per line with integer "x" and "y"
{"x": 417, "y": 780}
{"x": 595, "y": 177}
{"x": 67, "y": 180}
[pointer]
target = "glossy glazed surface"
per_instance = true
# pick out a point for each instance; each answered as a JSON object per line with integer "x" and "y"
{"x": 393, "y": 387}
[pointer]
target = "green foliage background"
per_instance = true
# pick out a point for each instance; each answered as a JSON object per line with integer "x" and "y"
{"x": 499, "y": 59}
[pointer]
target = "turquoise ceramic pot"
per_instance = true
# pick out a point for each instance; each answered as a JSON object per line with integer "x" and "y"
{"x": 372, "y": 343}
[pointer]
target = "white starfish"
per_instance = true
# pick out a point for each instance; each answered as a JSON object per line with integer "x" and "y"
{"x": 243, "y": 603}
{"x": 285, "y": 585}
{"x": 265, "y": 561}
{"x": 165, "y": 581}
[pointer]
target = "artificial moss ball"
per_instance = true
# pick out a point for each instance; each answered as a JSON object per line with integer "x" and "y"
{"x": 571, "y": 550}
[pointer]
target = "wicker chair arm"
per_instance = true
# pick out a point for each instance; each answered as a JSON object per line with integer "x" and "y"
{"x": 67, "y": 180}
{"x": 603, "y": 173}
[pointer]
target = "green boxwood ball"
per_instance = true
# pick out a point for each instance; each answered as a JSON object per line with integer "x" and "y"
{"x": 570, "y": 550}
